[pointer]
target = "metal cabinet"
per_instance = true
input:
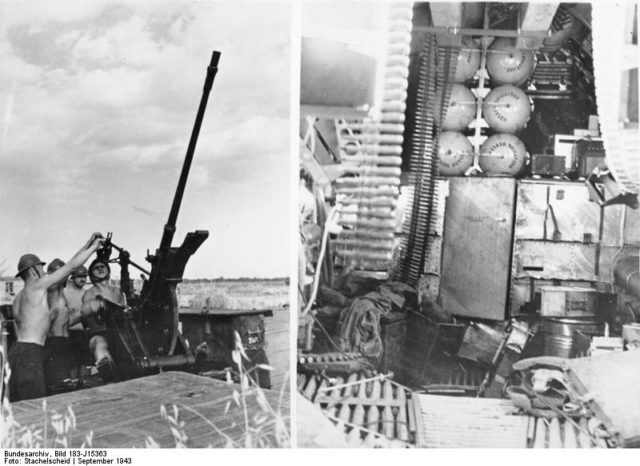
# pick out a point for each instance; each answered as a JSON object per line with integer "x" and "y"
{"x": 561, "y": 211}
{"x": 562, "y": 238}
{"x": 477, "y": 247}
{"x": 504, "y": 239}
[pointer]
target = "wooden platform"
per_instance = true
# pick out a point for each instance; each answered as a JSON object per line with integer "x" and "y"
{"x": 123, "y": 415}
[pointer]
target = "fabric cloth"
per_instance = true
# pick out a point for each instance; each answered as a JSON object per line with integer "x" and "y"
{"x": 58, "y": 360}
{"x": 27, "y": 381}
{"x": 79, "y": 342}
{"x": 359, "y": 327}
{"x": 359, "y": 324}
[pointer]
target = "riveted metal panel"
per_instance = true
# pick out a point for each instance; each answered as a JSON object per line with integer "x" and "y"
{"x": 476, "y": 254}
{"x": 572, "y": 264}
{"x": 632, "y": 226}
{"x": 577, "y": 218}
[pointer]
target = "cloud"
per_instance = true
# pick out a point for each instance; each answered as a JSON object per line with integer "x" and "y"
{"x": 98, "y": 102}
{"x": 145, "y": 211}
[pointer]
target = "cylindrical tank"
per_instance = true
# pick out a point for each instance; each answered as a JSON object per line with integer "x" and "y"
{"x": 468, "y": 61}
{"x": 503, "y": 154}
{"x": 508, "y": 65}
{"x": 455, "y": 153}
{"x": 557, "y": 333}
{"x": 627, "y": 274}
{"x": 461, "y": 110}
{"x": 507, "y": 109}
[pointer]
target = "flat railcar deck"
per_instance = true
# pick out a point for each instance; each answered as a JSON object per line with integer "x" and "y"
{"x": 125, "y": 414}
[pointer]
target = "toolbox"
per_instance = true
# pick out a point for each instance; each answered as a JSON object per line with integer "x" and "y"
{"x": 547, "y": 165}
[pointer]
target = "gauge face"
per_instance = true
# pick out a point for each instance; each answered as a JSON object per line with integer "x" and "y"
{"x": 508, "y": 65}
{"x": 461, "y": 110}
{"x": 455, "y": 154}
{"x": 503, "y": 154}
{"x": 506, "y": 109}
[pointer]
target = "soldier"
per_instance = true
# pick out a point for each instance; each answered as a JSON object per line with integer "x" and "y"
{"x": 31, "y": 313}
{"x": 73, "y": 293}
{"x": 93, "y": 319}
{"x": 59, "y": 359}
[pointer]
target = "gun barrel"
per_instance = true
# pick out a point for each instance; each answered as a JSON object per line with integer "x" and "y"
{"x": 170, "y": 227}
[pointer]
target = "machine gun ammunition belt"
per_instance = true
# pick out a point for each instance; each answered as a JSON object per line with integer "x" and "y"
{"x": 368, "y": 408}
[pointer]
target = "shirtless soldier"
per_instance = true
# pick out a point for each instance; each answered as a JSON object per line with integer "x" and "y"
{"x": 31, "y": 313}
{"x": 73, "y": 293}
{"x": 92, "y": 305}
{"x": 59, "y": 359}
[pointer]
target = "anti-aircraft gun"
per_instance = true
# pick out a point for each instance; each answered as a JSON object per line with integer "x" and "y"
{"x": 145, "y": 329}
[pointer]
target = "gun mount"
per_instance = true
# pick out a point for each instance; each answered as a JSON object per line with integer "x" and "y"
{"x": 145, "y": 330}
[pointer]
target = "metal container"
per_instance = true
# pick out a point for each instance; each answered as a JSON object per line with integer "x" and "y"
{"x": 461, "y": 110}
{"x": 547, "y": 165}
{"x": 477, "y": 244}
{"x": 557, "y": 333}
{"x": 503, "y": 154}
{"x": 508, "y": 65}
{"x": 627, "y": 274}
{"x": 567, "y": 301}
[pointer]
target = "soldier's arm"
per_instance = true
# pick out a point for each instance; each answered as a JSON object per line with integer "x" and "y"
{"x": 77, "y": 260}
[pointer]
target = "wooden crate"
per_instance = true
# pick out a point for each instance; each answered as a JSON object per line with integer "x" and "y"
{"x": 567, "y": 301}
{"x": 393, "y": 328}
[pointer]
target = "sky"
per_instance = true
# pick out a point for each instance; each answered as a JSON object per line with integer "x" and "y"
{"x": 97, "y": 104}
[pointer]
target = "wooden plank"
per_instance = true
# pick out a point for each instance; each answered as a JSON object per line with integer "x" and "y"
{"x": 125, "y": 414}
{"x": 277, "y": 342}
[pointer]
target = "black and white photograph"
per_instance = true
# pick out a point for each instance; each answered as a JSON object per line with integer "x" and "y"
{"x": 469, "y": 226}
{"x": 318, "y": 227}
{"x": 144, "y": 212}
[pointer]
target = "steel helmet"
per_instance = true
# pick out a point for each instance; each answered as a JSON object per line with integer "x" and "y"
{"x": 54, "y": 265}
{"x": 26, "y": 261}
{"x": 79, "y": 272}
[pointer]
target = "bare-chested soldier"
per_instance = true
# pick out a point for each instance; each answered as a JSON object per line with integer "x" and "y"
{"x": 73, "y": 292}
{"x": 99, "y": 273}
{"x": 31, "y": 313}
{"x": 59, "y": 359}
